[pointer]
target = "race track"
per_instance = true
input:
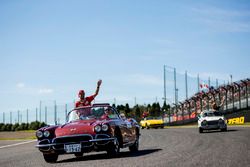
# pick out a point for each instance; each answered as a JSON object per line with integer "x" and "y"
{"x": 158, "y": 147}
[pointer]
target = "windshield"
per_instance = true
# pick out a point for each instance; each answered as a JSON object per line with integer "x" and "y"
{"x": 211, "y": 114}
{"x": 92, "y": 113}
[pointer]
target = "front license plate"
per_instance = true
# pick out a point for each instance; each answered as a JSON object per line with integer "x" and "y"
{"x": 72, "y": 148}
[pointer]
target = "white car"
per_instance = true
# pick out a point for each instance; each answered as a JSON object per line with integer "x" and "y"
{"x": 211, "y": 120}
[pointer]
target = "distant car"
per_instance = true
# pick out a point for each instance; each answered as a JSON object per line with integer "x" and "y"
{"x": 152, "y": 122}
{"x": 94, "y": 128}
{"x": 211, "y": 120}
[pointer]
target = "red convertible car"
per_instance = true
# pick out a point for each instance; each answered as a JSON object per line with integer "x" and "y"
{"x": 94, "y": 128}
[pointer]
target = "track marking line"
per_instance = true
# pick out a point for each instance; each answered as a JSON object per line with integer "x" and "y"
{"x": 16, "y": 144}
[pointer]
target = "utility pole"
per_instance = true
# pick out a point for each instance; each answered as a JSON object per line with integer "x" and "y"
{"x": 40, "y": 111}
{"x": 217, "y": 83}
{"x": 45, "y": 116}
{"x": 11, "y": 117}
{"x": 55, "y": 114}
{"x": 27, "y": 116}
{"x": 3, "y": 118}
{"x": 18, "y": 116}
{"x": 209, "y": 84}
{"x": 186, "y": 85}
{"x": 231, "y": 78}
{"x": 164, "y": 71}
{"x": 66, "y": 107}
{"x": 36, "y": 114}
{"x": 198, "y": 82}
{"x": 175, "y": 89}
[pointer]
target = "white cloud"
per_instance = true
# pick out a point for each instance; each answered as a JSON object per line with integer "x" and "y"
{"x": 20, "y": 85}
{"x": 45, "y": 91}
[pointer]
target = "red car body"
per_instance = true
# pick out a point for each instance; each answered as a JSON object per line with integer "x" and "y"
{"x": 93, "y": 128}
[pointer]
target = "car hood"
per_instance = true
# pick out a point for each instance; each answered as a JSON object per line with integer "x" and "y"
{"x": 213, "y": 118}
{"x": 77, "y": 127}
{"x": 154, "y": 121}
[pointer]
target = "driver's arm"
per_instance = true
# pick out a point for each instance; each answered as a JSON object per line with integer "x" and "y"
{"x": 97, "y": 88}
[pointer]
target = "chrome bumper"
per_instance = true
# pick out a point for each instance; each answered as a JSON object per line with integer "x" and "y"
{"x": 47, "y": 145}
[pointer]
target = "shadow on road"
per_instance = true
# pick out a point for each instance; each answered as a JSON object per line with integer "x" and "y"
{"x": 218, "y": 131}
{"x": 104, "y": 155}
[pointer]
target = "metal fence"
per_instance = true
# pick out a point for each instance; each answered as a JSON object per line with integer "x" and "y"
{"x": 187, "y": 95}
{"x": 232, "y": 97}
{"x": 48, "y": 113}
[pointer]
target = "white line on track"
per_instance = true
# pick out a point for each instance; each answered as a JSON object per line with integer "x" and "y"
{"x": 16, "y": 144}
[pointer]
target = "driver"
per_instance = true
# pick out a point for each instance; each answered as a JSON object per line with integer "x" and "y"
{"x": 86, "y": 101}
{"x": 108, "y": 113}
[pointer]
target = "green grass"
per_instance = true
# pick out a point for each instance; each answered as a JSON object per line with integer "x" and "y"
{"x": 27, "y": 138}
{"x": 26, "y": 131}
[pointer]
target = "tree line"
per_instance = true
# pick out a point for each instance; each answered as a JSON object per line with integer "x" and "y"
{"x": 137, "y": 112}
{"x": 23, "y": 126}
{"x": 140, "y": 111}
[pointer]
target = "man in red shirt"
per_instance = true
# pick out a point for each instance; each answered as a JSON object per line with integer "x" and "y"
{"x": 86, "y": 101}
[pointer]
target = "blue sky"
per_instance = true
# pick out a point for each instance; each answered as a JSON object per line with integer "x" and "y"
{"x": 51, "y": 49}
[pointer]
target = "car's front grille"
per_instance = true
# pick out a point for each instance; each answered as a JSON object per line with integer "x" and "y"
{"x": 73, "y": 139}
{"x": 213, "y": 122}
{"x": 83, "y": 139}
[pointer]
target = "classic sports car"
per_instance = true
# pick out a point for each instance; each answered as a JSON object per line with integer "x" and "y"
{"x": 211, "y": 120}
{"x": 152, "y": 122}
{"x": 93, "y": 128}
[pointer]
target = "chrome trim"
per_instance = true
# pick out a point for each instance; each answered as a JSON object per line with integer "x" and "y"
{"x": 128, "y": 144}
{"x": 43, "y": 145}
{"x": 71, "y": 136}
{"x": 108, "y": 139}
{"x": 61, "y": 137}
{"x": 92, "y": 141}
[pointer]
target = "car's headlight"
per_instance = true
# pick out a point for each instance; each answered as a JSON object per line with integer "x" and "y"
{"x": 204, "y": 123}
{"x": 46, "y": 133}
{"x": 39, "y": 134}
{"x": 105, "y": 127}
{"x": 221, "y": 121}
{"x": 97, "y": 128}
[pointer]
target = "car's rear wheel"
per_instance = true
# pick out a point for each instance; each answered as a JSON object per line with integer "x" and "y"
{"x": 78, "y": 155}
{"x": 50, "y": 158}
{"x": 200, "y": 130}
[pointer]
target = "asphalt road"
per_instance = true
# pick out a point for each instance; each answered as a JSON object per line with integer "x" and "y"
{"x": 158, "y": 147}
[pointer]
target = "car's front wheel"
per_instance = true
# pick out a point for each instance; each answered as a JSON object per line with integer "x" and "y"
{"x": 200, "y": 130}
{"x": 135, "y": 146}
{"x": 114, "y": 149}
{"x": 50, "y": 158}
